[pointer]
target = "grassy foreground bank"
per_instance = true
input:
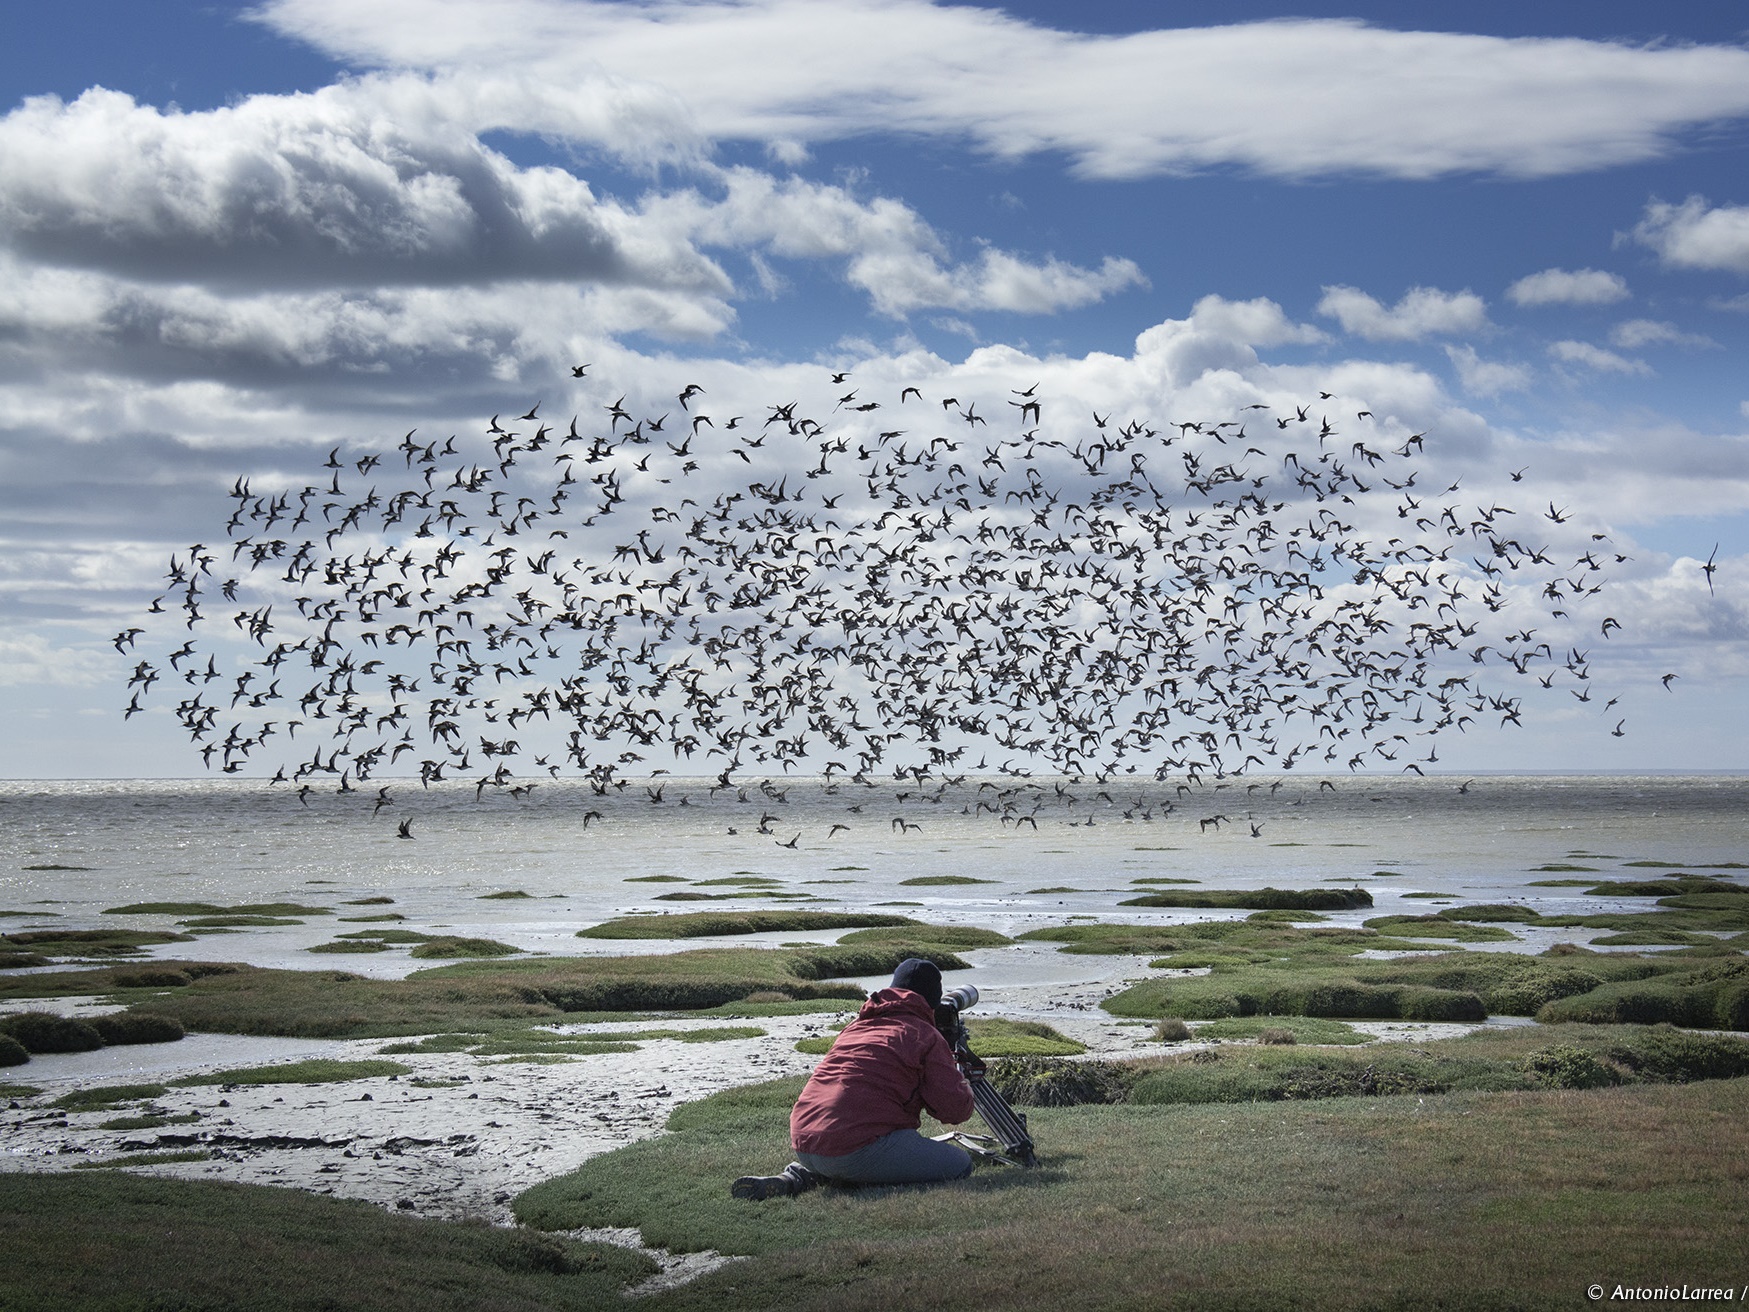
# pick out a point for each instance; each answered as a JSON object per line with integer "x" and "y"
{"x": 1233, "y": 1178}
{"x": 1487, "y": 1201}
{"x": 115, "y": 1242}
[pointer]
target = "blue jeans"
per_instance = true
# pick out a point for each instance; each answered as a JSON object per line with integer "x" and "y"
{"x": 901, "y": 1157}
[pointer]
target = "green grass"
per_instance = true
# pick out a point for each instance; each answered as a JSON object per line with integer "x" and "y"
{"x": 233, "y": 999}
{"x": 942, "y": 881}
{"x": 948, "y": 936}
{"x": 144, "y": 1159}
{"x": 1305, "y": 1029}
{"x": 1199, "y": 942}
{"x": 1707, "y": 991}
{"x": 1163, "y": 879}
{"x": 237, "y": 922}
{"x": 508, "y": 895}
{"x": 719, "y": 1034}
{"x": 88, "y": 942}
{"x": 445, "y": 947}
{"x": 1664, "y": 888}
{"x": 106, "y": 1096}
{"x": 744, "y": 893}
{"x": 350, "y": 945}
{"x": 752, "y": 1007}
{"x": 1714, "y": 995}
{"x": 1667, "y": 917}
{"x": 1437, "y": 926}
{"x": 316, "y": 1070}
{"x": 377, "y": 901}
{"x": 1438, "y": 895}
{"x": 711, "y": 924}
{"x": 425, "y": 945}
{"x": 1331, "y": 1204}
{"x": 992, "y": 1036}
{"x": 654, "y": 879}
{"x": 214, "y": 909}
{"x": 149, "y": 1122}
{"x": 1260, "y": 899}
{"x": 109, "y": 1240}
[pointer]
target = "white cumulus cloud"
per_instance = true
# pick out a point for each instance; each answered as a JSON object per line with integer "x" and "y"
{"x": 1569, "y": 287}
{"x": 1696, "y": 235}
{"x": 1422, "y": 312}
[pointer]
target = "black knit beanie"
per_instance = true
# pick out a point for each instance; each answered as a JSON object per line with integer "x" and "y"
{"x": 919, "y": 976}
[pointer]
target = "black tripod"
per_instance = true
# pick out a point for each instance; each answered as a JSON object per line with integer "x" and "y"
{"x": 1007, "y": 1125}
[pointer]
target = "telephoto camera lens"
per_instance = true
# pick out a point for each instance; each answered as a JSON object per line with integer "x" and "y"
{"x": 963, "y": 998}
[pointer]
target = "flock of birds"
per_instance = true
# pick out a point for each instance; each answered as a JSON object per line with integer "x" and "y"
{"x": 911, "y": 584}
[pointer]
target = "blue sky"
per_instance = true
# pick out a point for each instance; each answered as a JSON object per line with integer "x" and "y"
{"x": 939, "y": 180}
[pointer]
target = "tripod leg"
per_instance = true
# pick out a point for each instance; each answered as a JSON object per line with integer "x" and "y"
{"x": 1008, "y": 1125}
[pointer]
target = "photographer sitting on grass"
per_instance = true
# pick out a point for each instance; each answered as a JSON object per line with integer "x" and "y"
{"x": 856, "y": 1121}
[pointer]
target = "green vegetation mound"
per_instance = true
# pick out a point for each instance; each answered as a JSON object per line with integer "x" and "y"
{"x": 947, "y": 936}
{"x": 137, "y": 1027}
{"x": 237, "y": 922}
{"x": 214, "y": 909}
{"x": 12, "y": 1052}
{"x": 711, "y": 924}
{"x": 40, "y": 1032}
{"x": 1259, "y": 899}
{"x": 1200, "y": 943}
{"x": 1047, "y": 1082}
{"x": 1494, "y": 912}
{"x": 89, "y": 942}
{"x": 1438, "y": 926}
{"x": 107, "y": 1096}
{"x": 1666, "y": 887}
{"x": 1711, "y": 996}
{"x": 317, "y": 1070}
{"x": 942, "y": 881}
{"x": 442, "y": 947}
{"x": 1303, "y": 1029}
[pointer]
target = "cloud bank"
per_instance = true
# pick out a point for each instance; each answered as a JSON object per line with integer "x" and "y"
{"x": 1293, "y": 98}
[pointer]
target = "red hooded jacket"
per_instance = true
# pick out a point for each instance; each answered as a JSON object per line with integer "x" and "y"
{"x": 888, "y": 1065}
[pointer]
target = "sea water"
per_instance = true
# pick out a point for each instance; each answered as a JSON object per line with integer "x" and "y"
{"x": 1047, "y": 849}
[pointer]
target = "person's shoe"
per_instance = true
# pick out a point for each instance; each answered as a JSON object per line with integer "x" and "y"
{"x": 794, "y": 1179}
{"x": 760, "y": 1187}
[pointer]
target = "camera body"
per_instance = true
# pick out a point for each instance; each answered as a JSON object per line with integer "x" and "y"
{"x": 947, "y": 1015}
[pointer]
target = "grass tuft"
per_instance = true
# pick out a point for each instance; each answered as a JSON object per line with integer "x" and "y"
{"x": 1260, "y": 899}
{"x": 711, "y": 924}
{"x": 316, "y": 1070}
